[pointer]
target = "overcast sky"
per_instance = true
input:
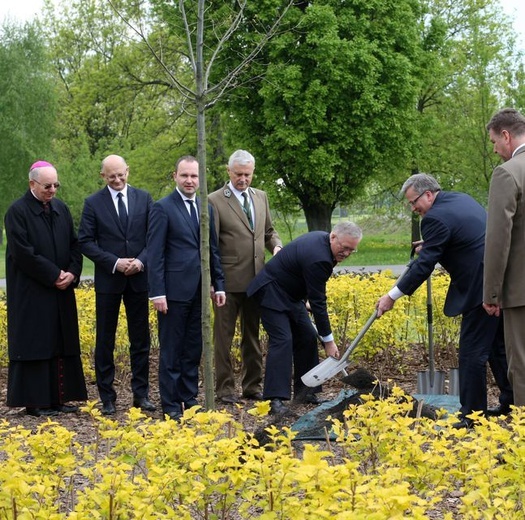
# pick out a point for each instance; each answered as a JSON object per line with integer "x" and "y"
{"x": 26, "y": 9}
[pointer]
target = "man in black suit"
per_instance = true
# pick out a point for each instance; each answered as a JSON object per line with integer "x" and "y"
{"x": 453, "y": 231}
{"x": 174, "y": 275}
{"x": 290, "y": 280}
{"x": 112, "y": 234}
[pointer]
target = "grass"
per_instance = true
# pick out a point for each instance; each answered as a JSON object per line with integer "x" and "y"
{"x": 386, "y": 241}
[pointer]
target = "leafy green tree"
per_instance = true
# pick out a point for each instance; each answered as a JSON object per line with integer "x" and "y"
{"x": 114, "y": 98}
{"x": 336, "y": 103}
{"x": 470, "y": 69}
{"x": 27, "y": 107}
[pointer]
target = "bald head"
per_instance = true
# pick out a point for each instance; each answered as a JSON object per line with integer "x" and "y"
{"x": 115, "y": 172}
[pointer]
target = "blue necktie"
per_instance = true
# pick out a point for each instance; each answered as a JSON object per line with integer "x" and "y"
{"x": 122, "y": 213}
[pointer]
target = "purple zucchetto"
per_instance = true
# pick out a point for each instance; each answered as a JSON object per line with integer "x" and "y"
{"x": 40, "y": 164}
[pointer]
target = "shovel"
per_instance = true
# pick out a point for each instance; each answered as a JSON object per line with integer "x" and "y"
{"x": 430, "y": 381}
{"x": 331, "y": 366}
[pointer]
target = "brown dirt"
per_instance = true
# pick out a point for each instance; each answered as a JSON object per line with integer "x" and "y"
{"x": 401, "y": 372}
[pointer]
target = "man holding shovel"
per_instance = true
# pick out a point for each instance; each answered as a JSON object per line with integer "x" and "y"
{"x": 296, "y": 275}
{"x": 453, "y": 231}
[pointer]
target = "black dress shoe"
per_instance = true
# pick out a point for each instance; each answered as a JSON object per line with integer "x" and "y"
{"x": 144, "y": 404}
{"x": 190, "y": 404}
{"x": 41, "y": 412}
{"x": 66, "y": 408}
{"x": 463, "y": 423}
{"x": 502, "y": 409}
{"x": 174, "y": 416}
{"x": 257, "y": 396}
{"x": 309, "y": 398}
{"x": 108, "y": 408}
{"x": 277, "y": 407}
{"x": 228, "y": 399}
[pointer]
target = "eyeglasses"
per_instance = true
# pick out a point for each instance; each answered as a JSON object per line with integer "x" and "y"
{"x": 413, "y": 202}
{"x": 48, "y": 185}
{"x": 345, "y": 249}
{"x": 116, "y": 176}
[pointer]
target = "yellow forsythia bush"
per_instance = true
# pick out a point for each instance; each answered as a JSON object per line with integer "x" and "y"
{"x": 383, "y": 465}
{"x": 351, "y": 301}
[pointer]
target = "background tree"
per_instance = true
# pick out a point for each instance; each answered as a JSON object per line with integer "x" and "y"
{"x": 27, "y": 107}
{"x": 114, "y": 97}
{"x": 336, "y": 104}
{"x": 205, "y": 32}
{"x": 473, "y": 74}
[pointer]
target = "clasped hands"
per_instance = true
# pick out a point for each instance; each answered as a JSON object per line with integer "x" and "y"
{"x": 64, "y": 280}
{"x": 129, "y": 266}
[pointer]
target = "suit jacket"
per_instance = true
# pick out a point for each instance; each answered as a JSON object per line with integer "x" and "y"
{"x": 174, "y": 251}
{"x": 299, "y": 272}
{"x": 504, "y": 282}
{"x": 103, "y": 240}
{"x": 453, "y": 231}
{"x": 242, "y": 250}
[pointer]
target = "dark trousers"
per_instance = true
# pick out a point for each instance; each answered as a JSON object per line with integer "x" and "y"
{"x": 180, "y": 338}
{"x": 481, "y": 341}
{"x": 107, "y": 310}
{"x": 292, "y": 340}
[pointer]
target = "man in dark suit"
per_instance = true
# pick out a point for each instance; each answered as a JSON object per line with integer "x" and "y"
{"x": 43, "y": 266}
{"x": 174, "y": 275}
{"x": 112, "y": 234}
{"x": 453, "y": 231}
{"x": 290, "y": 279}
{"x": 244, "y": 229}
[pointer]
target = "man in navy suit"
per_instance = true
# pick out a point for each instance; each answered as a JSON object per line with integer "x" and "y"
{"x": 112, "y": 234}
{"x": 174, "y": 275}
{"x": 297, "y": 275}
{"x": 453, "y": 231}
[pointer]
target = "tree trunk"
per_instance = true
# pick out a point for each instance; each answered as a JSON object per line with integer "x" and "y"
{"x": 200, "y": 89}
{"x": 318, "y": 216}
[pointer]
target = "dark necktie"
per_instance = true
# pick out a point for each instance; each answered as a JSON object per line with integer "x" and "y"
{"x": 122, "y": 213}
{"x": 47, "y": 209}
{"x": 247, "y": 209}
{"x": 193, "y": 214}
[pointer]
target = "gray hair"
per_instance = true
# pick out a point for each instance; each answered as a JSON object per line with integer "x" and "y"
{"x": 348, "y": 229}
{"x": 421, "y": 182}
{"x": 33, "y": 174}
{"x": 241, "y": 158}
{"x": 507, "y": 119}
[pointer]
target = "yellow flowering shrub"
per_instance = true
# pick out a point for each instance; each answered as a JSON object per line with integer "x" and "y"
{"x": 351, "y": 301}
{"x": 387, "y": 466}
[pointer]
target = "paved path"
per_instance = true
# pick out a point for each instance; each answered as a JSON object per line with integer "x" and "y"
{"x": 396, "y": 270}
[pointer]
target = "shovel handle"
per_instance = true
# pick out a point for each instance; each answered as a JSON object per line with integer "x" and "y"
{"x": 359, "y": 336}
{"x": 372, "y": 318}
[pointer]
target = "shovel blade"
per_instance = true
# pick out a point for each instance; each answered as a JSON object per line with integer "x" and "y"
{"x": 324, "y": 371}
